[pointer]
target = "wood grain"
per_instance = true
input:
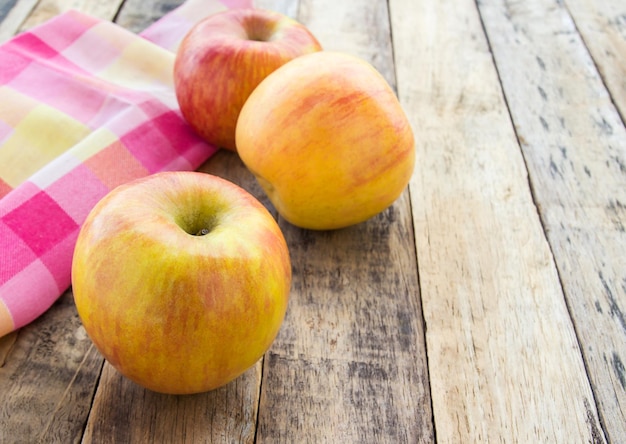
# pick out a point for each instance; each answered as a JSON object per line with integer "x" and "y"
{"x": 575, "y": 146}
{"x": 137, "y": 15}
{"x": 48, "y": 379}
{"x": 354, "y": 29}
{"x": 13, "y": 16}
{"x": 516, "y": 215}
{"x": 349, "y": 364}
{"x": 503, "y": 356}
{"x": 46, "y": 9}
{"x": 602, "y": 26}
{"x": 125, "y": 412}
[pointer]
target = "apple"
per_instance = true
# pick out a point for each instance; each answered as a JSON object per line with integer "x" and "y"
{"x": 181, "y": 280}
{"x": 224, "y": 57}
{"x": 328, "y": 141}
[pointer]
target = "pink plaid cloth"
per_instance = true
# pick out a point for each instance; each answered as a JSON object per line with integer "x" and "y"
{"x": 84, "y": 106}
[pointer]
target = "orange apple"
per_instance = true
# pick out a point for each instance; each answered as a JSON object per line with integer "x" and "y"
{"x": 224, "y": 57}
{"x": 181, "y": 280}
{"x": 327, "y": 140}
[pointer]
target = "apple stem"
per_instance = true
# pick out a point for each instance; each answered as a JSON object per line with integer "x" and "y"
{"x": 203, "y": 232}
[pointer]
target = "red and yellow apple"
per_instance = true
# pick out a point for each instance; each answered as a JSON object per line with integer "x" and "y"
{"x": 328, "y": 141}
{"x": 224, "y": 57}
{"x": 181, "y": 280}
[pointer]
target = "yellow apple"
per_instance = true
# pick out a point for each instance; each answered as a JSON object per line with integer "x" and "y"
{"x": 181, "y": 280}
{"x": 327, "y": 140}
{"x": 224, "y": 57}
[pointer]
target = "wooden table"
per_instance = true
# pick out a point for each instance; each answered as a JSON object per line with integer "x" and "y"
{"x": 488, "y": 304}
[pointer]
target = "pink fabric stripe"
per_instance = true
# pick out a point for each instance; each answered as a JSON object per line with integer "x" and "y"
{"x": 28, "y": 292}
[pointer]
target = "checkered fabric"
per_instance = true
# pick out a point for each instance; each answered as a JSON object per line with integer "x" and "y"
{"x": 85, "y": 105}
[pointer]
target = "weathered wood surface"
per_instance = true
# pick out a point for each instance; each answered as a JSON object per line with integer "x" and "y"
{"x": 503, "y": 354}
{"x": 602, "y": 26}
{"x": 48, "y": 379}
{"x": 574, "y": 142}
{"x": 13, "y": 15}
{"x": 487, "y": 304}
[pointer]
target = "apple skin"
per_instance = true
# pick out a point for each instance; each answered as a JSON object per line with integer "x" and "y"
{"x": 224, "y": 57}
{"x": 327, "y": 140}
{"x": 175, "y": 312}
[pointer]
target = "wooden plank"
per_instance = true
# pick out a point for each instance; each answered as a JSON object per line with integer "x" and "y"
{"x": 5, "y": 7}
{"x": 13, "y": 18}
{"x": 125, "y": 412}
{"x": 46, "y": 9}
{"x": 48, "y": 379}
{"x": 503, "y": 356}
{"x": 575, "y": 146}
{"x": 602, "y": 26}
{"x": 350, "y": 361}
{"x": 349, "y": 364}
{"x": 138, "y": 15}
{"x": 349, "y": 27}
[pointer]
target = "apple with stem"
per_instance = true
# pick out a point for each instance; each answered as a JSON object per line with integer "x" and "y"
{"x": 328, "y": 140}
{"x": 181, "y": 280}
{"x": 224, "y": 57}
